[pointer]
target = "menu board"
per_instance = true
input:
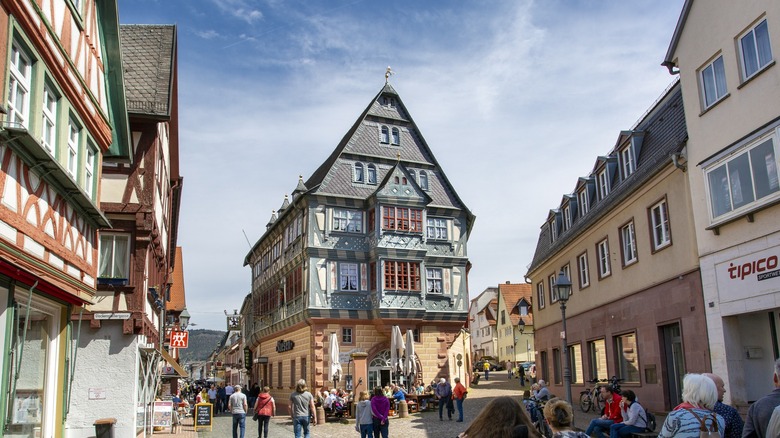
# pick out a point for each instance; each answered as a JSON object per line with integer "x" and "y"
{"x": 203, "y": 413}
{"x": 162, "y": 415}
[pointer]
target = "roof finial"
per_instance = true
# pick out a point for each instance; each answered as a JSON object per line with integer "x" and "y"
{"x": 389, "y": 72}
{"x": 398, "y": 156}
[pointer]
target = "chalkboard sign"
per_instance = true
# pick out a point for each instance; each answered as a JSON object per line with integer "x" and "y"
{"x": 203, "y": 414}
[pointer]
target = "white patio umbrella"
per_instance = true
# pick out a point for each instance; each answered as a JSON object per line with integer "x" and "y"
{"x": 335, "y": 363}
{"x": 396, "y": 348}
{"x": 410, "y": 366}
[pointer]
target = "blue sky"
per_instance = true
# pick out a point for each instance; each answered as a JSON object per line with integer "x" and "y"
{"x": 515, "y": 98}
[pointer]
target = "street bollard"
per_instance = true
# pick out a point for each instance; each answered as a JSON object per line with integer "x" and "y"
{"x": 320, "y": 415}
{"x": 104, "y": 427}
{"x": 403, "y": 409}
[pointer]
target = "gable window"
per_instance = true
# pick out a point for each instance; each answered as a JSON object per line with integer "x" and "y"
{"x": 396, "y": 136}
{"x": 359, "y": 172}
{"x": 385, "y": 136}
{"x": 346, "y": 335}
{"x": 89, "y": 169}
{"x": 627, "y": 161}
{"x": 745, "y": 178}
{"x": 553, "y": 291}
{"x": 49, "y": 120}
{"x": 371, "y": 177}
{"x": 404, "y": 276}
{"x": 347, "y": 220}
{"x": 602, "y": 252}
{"x": 114, "y": 256}
{"x": 582, "y": 196}
{"x": 19, "y": 87}
{"x": 566, "y": 218}
{"x": 424, "y": 180}
{"x": 659, "y": 221}
{"x": 402, "y": 219}
{"x": 433, "y": 278}
{"x": 74, "y": 134}
{"x": 348, "y": 276}
{"x": 437, "y": 228}
{"x": 582, "y": 268}
{"x": 628, "y": 243}
{"x": 755, "y": 50}
{"x": 713, "y": 82}
{"x": 540, "y": 295}
{"x": 603, "y": 184}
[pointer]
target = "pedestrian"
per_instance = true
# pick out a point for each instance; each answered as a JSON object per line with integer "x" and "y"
{"x": 560, "y": 417}
{"x": 633, "y": 417}
{"x": 459, "y": 393}
{"x": 760, "y": 412}
{"x": 221, "y": 399}
{"x": 699, "y": 396}
{"x": 302, "y": 410}
{"x": 212, "y": 392}
{"x": 265, "y": 406}
{"x": 253, "y": 393}
{"x": 611, "y": 414}
{"x": 486, "y": 368}
{"x": 734, "y": 423}
{"x": 364, "y": 421}
{"x": 501, "y": 417}
{"x": 238, "y": 407}
{"x": 380, "y": 411}
{"x": 521, "y": 374}
{"x": 443, "y": 393}
{"x": 509, "y": 369}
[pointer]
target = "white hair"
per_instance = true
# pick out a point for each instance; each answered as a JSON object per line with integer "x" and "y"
{"x": 443, "y": 380}
{"x": 700, "y": 391}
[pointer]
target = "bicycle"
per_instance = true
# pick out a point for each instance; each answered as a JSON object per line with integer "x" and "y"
{"x": 614, "y": 382}
{"x": 591, "y": 397}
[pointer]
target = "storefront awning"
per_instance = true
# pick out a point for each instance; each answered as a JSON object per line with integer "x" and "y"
{"x": 172, "y": 362}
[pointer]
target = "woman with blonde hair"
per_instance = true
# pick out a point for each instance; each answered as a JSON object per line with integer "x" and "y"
{"x": 502, "y": 417}
{"x": 364, "y": 421}
{"x": 560, "y": 417}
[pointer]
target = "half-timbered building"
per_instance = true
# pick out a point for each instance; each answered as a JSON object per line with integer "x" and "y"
{"x": 61, "y": 81}
{"x": 123, "y": 330}
{"x": 375, "y": 238}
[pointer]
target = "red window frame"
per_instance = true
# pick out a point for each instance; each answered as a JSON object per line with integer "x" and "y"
{"x": 402, "y": 219}
{"x": 403, "y": 276}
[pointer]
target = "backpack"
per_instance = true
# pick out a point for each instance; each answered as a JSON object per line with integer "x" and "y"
{"x": 651, "y": 423}
{"x": 704, "y": 431}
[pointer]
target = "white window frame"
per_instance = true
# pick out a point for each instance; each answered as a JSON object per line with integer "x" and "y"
{"x": 358, "y": 173}
{"x": 436, "y": 228}
{"x": 49, "y": 120}
{"x": 582, "y": 197}
{"x": 395, "y": 136}
{"x": 434, "y": 279}
{"x": 384, "y": 134}
{"x": 540, "y": 295}
{"x": 566, "y": 217}
{"x": 659, "y": 222}
{"x": 628, "y": 164}
{"x": 553, "y": 291}
{"x": 371, "y": 174}
{"x": 583, "y": 270}
{"x": 712, "y": 79}
{"x": 628, "y": 244}
{"x": 602, "y": 256}
{"x": 424, "y": 180}
{"x": 566, "y": 269}
{"x": 347, "y": 221}
{"x": 89, "y": 169}
{"x": 754, "y": 50}
{"x": 603, "y": 184}
{"x": 113, "y": 264}
{"x": 74, "y": 140}
{"x": 347, "y": 335}
{"x": 553, "y": 230}
{"x": 350, "y": 273}
{"x": 20, "y": 85}
{"x": 733, "y": 195}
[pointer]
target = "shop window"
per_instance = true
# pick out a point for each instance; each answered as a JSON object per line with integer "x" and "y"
{"x": 597, "y": 358}
{"x": 627, "y": 357}
{"x": 575, "y": 363}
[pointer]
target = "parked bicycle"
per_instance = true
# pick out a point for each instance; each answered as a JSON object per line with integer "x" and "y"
{"x": 591, "y": 397}
{"x": 614, "y": 382}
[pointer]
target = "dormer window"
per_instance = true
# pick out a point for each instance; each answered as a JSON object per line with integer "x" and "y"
{"x": 371, "y": 174}
{"x": 627, "y": 161}
{"x": 566, "y": 218}
{"x": 582, "y": 197}
{"x": 396, "y": 136}
{"x": 553, "y": 231}
{"x": 603, "y": 184}
{"x": 358, "y": 173}
{"x": 424, "y": 180}
{"x": 385, "y": 137}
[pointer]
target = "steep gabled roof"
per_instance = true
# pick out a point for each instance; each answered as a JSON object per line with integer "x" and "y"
{"x": 148, "y": 57}
{"x": 511, "y": 295}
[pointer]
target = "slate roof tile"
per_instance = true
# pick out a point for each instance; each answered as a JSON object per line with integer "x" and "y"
{"x": 147, "y": 59}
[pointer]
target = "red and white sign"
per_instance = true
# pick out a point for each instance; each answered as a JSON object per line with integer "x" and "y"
{"x": 179, "y": 339}
{"x": 750, "y": 275}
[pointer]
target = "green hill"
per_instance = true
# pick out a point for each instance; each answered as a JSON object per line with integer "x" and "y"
{"x": 202, "y": 343}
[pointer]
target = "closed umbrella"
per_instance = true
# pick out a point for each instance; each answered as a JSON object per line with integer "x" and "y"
{"x": 410, "y": 366}
{"x": 335, "y": 364}
{"x": 396, "y": 348}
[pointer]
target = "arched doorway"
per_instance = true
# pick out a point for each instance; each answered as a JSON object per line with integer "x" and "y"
{"x": 380, "y": 371}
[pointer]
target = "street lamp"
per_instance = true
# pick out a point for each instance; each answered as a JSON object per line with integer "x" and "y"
{"x": 563, "y": 286}
{"x": 184, "y": 319}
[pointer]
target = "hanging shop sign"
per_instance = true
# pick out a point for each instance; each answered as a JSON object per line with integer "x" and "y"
{"x": 248, "y": 358}
{"x": 282, "y": 346}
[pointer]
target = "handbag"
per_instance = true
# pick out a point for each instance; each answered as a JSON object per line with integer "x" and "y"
{"x": 704, "y": 431}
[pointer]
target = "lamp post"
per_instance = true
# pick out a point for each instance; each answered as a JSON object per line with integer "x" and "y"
{"x": 184, "y": 319}
{"x": 563, "y": 286}
{"x": 521, "y": 328}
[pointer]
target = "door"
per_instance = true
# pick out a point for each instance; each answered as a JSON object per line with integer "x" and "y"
{"x": 674, "y": 365}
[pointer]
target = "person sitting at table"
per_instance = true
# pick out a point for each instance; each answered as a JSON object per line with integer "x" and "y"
{"x": 387, "y": 391}
{"x": 420, "y": 389}
{"x": 399, "y": 395}
{"x": 328, "y": 403}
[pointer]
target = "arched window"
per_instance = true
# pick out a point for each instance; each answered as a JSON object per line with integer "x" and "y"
{"x": 359, "y": 172}
{"x": 404, "y": 181}
{"x": 385, "y": 135}
{"x": 424, "y": 180}
{"x": 371, "y": 174}
{"x": 397, "y": 180}
{"x": 396, "y": 136}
